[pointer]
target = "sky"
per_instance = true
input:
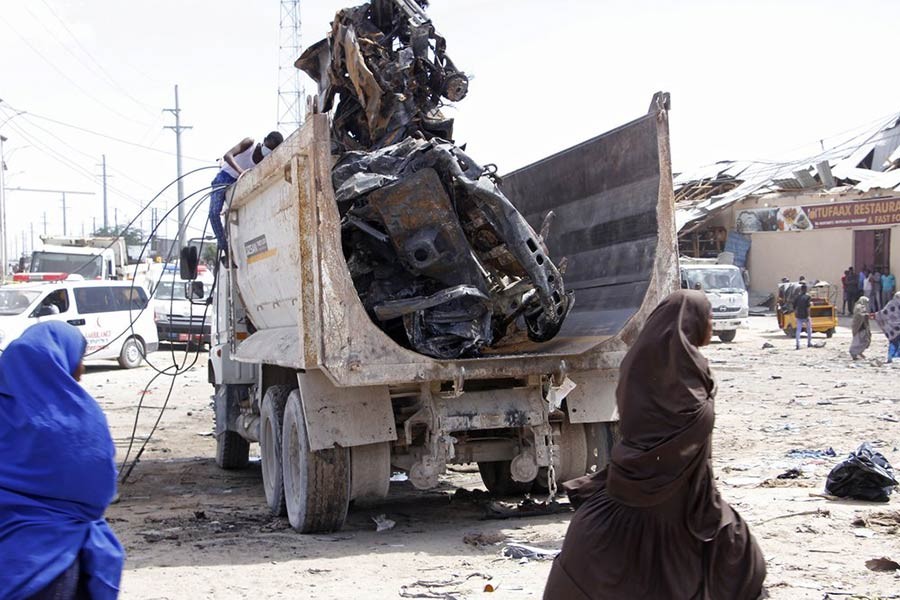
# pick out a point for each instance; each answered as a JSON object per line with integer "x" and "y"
{"x": 749, "y": 80}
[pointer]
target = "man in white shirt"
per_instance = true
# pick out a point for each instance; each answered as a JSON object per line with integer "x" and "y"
{"x": 243, "y": 157}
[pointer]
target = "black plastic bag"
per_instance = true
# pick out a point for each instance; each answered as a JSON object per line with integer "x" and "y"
{"x": 863, "y": 475}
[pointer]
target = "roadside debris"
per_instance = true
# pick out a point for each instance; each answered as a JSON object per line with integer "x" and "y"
{"x": 520, "y": 551}
{"x": 804, "y": 453}
{"x": 483, "y": 538}
{"x": 882, "y": 564}
{"x": 382, "y": 523}
{"x": 525, "y": 508}
{"x": 440, "y": 258}
{"x": 863, "y": 475}
{"x": 884, "y": 521}
{"x": 793, "y": 473}
{"x": 444, "y": 589}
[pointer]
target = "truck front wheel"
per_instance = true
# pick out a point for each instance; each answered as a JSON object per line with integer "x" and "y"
{"x": 316, "y": 483}
{"x": 232, "y": 451}
{"x": 271, "y": 421}
{"x": 727, "y": 336}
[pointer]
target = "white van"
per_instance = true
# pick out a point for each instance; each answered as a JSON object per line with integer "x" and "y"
{"x": 179, "y": 319}
{"x": 726, "y": 289}
{"x": 102, "y": 310}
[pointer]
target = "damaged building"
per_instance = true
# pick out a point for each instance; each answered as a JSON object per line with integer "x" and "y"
{"x": 814, "y": 217}
{"x": 441, "y": 259}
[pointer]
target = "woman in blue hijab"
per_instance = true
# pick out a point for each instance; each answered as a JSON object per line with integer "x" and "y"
{"x": 57, "y": 473}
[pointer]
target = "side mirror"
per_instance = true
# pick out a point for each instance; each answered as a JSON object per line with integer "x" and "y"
{"x": 194, "y": 290}
{"x": 188, "y": 263}
{"x": 746, "y": 275}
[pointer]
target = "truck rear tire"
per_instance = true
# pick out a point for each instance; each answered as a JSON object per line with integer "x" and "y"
{"x": 600, "y": 438}
{"x": 727, "y": 336}
{"x": 232, "y": 451}
{"x": 316, "y": 484}
{"x": 498, "y": 479}
{"x": 271, "y": 423}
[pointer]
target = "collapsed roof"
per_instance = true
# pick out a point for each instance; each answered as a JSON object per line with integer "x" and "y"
{"x": 866, "y": 161}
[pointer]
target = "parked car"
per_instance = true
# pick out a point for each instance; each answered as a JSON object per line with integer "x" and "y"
{"x": 113, "y": 316}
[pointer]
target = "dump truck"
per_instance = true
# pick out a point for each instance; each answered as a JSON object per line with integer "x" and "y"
{"x": 337, "y": 405}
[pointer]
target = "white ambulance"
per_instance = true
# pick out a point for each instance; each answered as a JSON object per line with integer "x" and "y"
{"x": 113, "y": 316}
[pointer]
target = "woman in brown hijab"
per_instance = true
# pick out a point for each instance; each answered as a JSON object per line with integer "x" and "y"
{"x": 652, "y": 526}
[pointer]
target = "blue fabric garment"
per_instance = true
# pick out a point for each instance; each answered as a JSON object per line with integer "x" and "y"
{"x": 216, "y": 203}
{"x": 58, "y": 474}
{"x": 894, "y": 350}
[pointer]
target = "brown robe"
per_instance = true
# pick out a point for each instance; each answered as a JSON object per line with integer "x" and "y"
{"x": 652, "y": 525}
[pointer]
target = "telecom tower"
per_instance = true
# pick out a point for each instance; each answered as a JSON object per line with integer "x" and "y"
{"x": 290, "y": 90}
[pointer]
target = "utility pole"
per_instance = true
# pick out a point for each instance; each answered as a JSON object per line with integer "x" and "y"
{"x": 45, "y": 223}
{"x": 178, "y": 128}
{"x": 117, "y": 218}
{"x": 105, "y": 209}
{"x": 32, "y": 235}
{"x": 290, "y": 88}
{"x": 65, "y": 233}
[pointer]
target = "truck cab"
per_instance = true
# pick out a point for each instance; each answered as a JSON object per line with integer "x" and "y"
{"x": 725, "y": 287}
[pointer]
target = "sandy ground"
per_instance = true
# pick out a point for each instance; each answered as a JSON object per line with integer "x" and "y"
{"x": 194, "y": 531}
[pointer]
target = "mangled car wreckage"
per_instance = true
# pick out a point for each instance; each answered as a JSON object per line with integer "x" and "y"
{"x": 393, "y": 305}
{"x": 440, "y": 257}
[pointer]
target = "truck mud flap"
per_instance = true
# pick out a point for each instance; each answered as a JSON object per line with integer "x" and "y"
{"x": 345, "y": 417}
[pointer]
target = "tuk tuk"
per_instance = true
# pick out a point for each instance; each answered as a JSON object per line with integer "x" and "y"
{"x": 822, "y": 312}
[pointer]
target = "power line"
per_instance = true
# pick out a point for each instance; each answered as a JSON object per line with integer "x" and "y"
{"x": 65, "y": 76}
{"x": 109, "y": 77}
{"x": 67, "y": 162}
{"x": 113, "y": 138}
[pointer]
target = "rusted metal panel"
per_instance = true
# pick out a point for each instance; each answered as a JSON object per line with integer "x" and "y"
{"x": 344, "y": 416}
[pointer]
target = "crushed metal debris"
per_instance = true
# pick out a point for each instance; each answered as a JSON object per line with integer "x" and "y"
{"x": 441, "y": 259}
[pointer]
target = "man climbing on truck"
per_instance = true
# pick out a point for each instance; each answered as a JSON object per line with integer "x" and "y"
{"x": 243, "y": 157}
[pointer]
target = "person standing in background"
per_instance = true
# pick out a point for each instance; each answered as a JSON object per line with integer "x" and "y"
{"x": 862, "y": 331}
{"x": 866, "y": 285}
{"x": 801, "y": 313}
{"x": 888, "y": 288}
{"x": 844, "y": 287}
{"x": 852, "y": 290}
{"x": 875, "y": 295}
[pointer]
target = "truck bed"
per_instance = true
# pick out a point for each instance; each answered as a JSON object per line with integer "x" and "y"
{"x": 612, "y": 196}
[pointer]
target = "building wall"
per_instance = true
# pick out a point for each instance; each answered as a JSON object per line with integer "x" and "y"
{"x": 822, "y": 254}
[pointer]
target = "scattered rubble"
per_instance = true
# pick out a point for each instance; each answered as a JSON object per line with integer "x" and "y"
{"x": 442, "y": 261}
